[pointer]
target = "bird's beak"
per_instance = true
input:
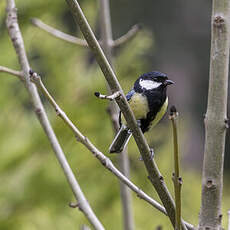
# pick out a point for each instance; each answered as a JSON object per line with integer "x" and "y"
{"x": 168, "y": 82}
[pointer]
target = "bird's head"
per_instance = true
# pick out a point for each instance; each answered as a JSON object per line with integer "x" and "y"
{"x": 152, "y": 81}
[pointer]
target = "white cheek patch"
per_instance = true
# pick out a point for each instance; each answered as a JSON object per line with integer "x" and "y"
{"x": 148, "y": 84}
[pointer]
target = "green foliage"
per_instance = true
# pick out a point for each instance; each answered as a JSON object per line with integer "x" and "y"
{"x": 34, "y": 193}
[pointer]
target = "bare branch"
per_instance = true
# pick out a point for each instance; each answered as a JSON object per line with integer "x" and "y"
{"x": 176, "y": 175}
{"x": 110, "y": 97}
{"x": 127, "y": 37}
{"x": 154, "y": 173}
{"x": 12, "y": 72}
{"x": 215, "y": 119}
{"x": 17, "y": 40}
{"x": 105, "y": 161}
{"x": 58, "y": 34}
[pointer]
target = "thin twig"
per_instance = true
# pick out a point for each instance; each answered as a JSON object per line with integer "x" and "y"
{"x": 58, "y": 34}
{"x": 153, "y": 171}
{"x": 127, "y": 37}
{"x": 176, "y": 175}
{"x": 17, "y": 40}
{"x": 105, "y": 161}
{"x": 108, "y": 97}
{"x": 12, "y": 72}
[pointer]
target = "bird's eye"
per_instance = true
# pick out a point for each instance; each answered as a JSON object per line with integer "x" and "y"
{"x": 155, "y": 79}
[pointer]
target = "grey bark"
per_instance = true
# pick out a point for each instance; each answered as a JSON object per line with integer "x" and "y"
{"x": 215, "y": 119}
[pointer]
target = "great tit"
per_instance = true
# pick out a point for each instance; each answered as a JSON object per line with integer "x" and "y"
{"x": 148, "y": 101}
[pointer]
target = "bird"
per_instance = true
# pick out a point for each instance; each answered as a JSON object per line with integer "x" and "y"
{"x": 149, "y": 101}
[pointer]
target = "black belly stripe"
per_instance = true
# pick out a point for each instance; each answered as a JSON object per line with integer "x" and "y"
{"x": 155, "y": 101}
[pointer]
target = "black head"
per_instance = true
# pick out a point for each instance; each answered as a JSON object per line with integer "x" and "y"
{"x": 152, "y": 81}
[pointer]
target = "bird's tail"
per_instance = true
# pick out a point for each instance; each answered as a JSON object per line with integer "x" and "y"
{"x": 120, "y": 140}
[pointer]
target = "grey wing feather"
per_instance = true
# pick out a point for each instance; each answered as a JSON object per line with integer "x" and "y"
{"x": 130, "y": 94}
{"x": 121, "y": 140}
{"x": 124, "y": 134}
{"x": 128, "y": 97}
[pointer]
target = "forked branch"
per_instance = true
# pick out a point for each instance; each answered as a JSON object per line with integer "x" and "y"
{"x": 127, "y": 37}
{"x": 58, "y": 34}
{"x": 81, "y": 42}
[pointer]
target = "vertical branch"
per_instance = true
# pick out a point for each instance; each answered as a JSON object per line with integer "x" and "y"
{"x": 215, "y": 120}
{"x": 106, "y": 42}
{"x": 176, "y": 175}
{"x": 106, "y": 29}
{"x": 17, "y": 40}
{"x": 125, "y": 192}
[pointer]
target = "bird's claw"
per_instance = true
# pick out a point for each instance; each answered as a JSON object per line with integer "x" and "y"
{"x": 151, "y": 155}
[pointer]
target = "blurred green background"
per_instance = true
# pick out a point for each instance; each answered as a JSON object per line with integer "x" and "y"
{"x": 175, "y": 39}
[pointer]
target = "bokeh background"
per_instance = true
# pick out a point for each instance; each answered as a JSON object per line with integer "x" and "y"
{"x": 175, "y": 39}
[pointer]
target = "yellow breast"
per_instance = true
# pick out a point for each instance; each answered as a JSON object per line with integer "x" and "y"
{"x": 139, "y": 106}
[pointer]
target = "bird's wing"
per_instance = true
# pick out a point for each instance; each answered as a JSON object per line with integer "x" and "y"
{"x": 121, "y": 140}
{"x": 128, "y": 97}
{"x": 130, "y": 94}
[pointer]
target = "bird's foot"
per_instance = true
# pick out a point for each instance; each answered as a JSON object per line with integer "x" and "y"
{"x": 151, "y": 155}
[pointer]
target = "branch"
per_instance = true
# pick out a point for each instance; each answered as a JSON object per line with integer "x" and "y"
{"x": 110, "y": 97}
{"x": 107, "y": 42}
{"x": 127, "y": 37}
{"x": 215, "y": 119}
{"x": 176, "y": 175}
{"x": 17, "y": 40}
{"x": 58, "y": 34}
{"x": 154, "y": 174}
{"x": 105, "y": 161}
{"x": 12, "y": 72}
